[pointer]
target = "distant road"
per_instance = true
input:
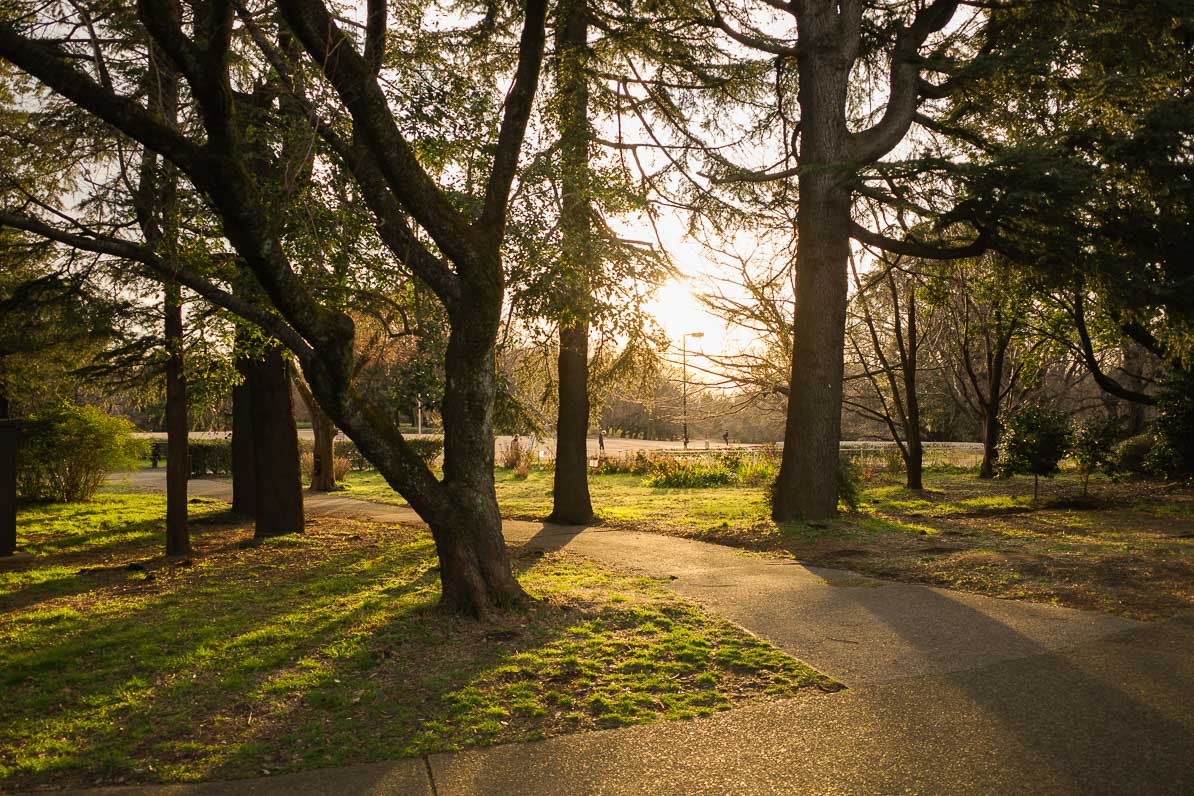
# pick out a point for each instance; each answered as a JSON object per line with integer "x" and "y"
{"x": 615, "y": 446}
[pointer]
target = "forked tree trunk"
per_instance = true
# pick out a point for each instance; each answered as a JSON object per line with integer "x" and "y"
{"x": 806, "y": 487}
{"x": 279, "y": 502}
{"x": 178, "y": 539}
{"x": 571, "y": 503}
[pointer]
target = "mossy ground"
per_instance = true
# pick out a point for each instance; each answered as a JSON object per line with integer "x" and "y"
{"x": 323, "y": 649}
{"x": 1124, "y": 548}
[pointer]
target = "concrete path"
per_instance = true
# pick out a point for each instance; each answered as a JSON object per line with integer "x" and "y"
{"x": 950, "y": 693}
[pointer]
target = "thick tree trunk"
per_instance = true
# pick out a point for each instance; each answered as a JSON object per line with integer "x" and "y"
{"x": 571, "y": 503}
{"x": 244, "y": 466}
{"x": 570, "y": 495}
{"x": 806, "y": 487}
{"x": 475, "y": 570}
{"x": 178, "y": 469}
{"x": 279, "y": 504}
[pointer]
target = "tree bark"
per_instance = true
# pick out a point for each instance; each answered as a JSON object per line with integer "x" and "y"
{"x": 279, "y": 502}
{"x": 806, "y": 487}
{"x": 178, "y": 469}
{"x": 914, "y": 460}
{"x": 244, "y": 467}
{"x": 323, "y": 475}
{"x": 571, "y": 503}
{"x": 475, "y": 571}
{"x": 991, "y": 413}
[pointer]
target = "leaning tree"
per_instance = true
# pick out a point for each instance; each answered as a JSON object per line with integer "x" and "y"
{"x": 345, "y": 82}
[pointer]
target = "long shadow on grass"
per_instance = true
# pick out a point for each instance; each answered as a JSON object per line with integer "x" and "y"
{"x": 103, "y": 564}
{"x": 89, "y": 691}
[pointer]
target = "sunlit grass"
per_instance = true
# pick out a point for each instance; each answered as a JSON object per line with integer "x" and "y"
{"x": 325, "y": 649}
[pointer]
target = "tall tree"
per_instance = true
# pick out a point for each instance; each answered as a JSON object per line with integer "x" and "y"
{"x": 570, "y": 491}
{"x": 358, "y": 129}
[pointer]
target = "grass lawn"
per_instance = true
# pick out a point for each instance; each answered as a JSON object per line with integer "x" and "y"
{"x": 118, "y": 665}
{"x": 1126, "y": 549}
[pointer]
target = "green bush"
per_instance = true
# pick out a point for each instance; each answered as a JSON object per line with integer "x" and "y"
{"x": 1034, "y": 441}
{"x": 637, "y": 463}
{"x": 1094, "y": 446}
{"x": 428, "y": 448}
{"x": 1172, "y": 456}
{"x": 66, "y": 451}
{"x": 210, "y": 457}
{"x": 849, "y": 483}
{"x": 1130, "y": 456}
{"x": 680, "y": 474}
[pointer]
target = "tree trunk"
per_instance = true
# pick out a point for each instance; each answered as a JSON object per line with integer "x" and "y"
{"x": 806, "y": 487}
{"x": 571, "y": 503}
{"x": 279, "y": 503}
{"x": 475, "y": 570}
{"x": 178, "y": 469}
{"x": 244, "y": 467}
{"x": 914, "y": 463}
{"x": 991, "y": 415}
{"x": 323, "y": 475}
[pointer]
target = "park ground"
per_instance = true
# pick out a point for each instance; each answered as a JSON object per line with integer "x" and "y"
{"x": 121, "y": 666}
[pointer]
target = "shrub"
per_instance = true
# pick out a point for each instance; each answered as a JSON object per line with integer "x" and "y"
{"x": 1033, "y": 442}
{"x": 66, "y": 451}
{"x": 849, "y": 483}
{"x": 637, "y": 463}
{"x": 1094, "y": 446}
{"x": 893, "y": 459}
{"x": 340, "y": 465}
{"x": 680, "y": 474}
{"x": 1130, "y": 455}
{"x": 428, "y": 448}
{"x": 210, "y": 457}
{"x": 1172, "y": 456}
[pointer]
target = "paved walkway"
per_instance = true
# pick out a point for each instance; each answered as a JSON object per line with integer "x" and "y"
{"x": 950, "y": 692}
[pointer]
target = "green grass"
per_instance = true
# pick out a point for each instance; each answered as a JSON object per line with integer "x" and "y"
{"x": 620, "y": 498}
{"x": 321, "y": 650}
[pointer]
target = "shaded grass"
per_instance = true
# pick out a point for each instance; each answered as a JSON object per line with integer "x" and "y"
{"x": 327, "y": 649}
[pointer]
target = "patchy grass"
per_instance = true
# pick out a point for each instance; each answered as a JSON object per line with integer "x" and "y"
{"x": 1126, "y": 548}
{"x": 324, "y": 649}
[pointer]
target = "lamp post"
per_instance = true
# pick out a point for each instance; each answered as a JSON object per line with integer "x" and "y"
{"x": 684, "y": 390}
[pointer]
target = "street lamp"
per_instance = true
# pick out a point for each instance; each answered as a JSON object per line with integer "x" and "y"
{"x": 684, "y": 390}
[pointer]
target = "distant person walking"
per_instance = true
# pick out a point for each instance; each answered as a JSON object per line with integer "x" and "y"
{"x": 601, "y": 440}
{"x": 726, "y": 438}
